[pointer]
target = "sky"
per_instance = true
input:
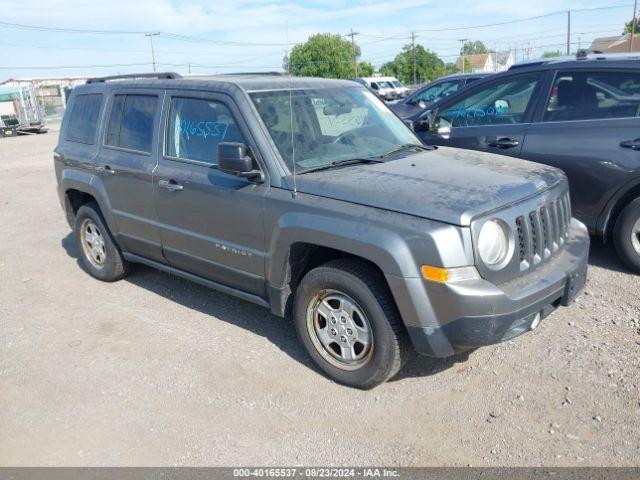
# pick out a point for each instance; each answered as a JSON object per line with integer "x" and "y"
{"x": 252, "y": 35}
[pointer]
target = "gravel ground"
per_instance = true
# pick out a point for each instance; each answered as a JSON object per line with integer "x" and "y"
{"x": 154, "y": 370}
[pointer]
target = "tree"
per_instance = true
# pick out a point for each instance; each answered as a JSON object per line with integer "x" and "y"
{"x": 428, "y": 65}
{"x": 474, "y": 48}
{"x": 323, "y": 55}
{"x": 552, "y": 53}
{"x": 365, "y": 69}
{"x": 629, "y": 25}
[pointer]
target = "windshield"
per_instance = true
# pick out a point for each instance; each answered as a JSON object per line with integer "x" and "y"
{"x": 397, "y": 84}
{"x": 329, "y": 125}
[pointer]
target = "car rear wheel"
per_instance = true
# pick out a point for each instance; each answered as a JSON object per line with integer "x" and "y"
{"x": 348, "y": 322}
{"x": 627, "y": 235}
{"x": 99, "y": 254}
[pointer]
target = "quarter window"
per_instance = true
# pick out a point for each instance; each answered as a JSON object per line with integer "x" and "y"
{"x": 83, "y": 122}
{"x": 196, "y": 126}
{"x": 131, "y": 122}
{"x": 500, "y": 103}
{"x": 594, "y": 95}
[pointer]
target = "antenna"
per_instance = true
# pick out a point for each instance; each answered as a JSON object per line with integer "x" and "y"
{"x": 293, "y": 145}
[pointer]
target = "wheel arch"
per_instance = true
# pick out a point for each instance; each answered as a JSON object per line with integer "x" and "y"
{"x": 300, "y": 244}
{"x": 80, "y": 188}
{"x": 607, "y": 220}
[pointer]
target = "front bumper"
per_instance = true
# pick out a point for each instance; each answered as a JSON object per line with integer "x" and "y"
{"x": 443, "y": 319}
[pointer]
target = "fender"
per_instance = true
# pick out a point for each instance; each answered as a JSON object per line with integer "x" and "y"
{"x": 603, "y": 224}
{"x": 382, "y": 247}
{"x": 90, "y": 183}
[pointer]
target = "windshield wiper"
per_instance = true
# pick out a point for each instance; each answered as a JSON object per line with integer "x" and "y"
{"x": 340, "y": 163}
{"x": 404, "y": 147}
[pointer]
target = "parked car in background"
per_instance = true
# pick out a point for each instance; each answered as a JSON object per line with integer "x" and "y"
{"x": 578, "y": 114}
{"x": 400, "y": 89}
{"x": 382, "y": 88}
{"x": 310, "y": 196}
{"x": 411, "y": 107}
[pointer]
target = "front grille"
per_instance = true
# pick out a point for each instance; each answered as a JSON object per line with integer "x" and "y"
{"x": 543, "y": 232}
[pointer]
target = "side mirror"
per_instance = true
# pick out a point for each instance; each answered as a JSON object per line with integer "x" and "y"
{"x": 409, "y": 123}
{"x": 425, "y": 122}
{"x": 501, "y": 106}
{"x": 233, "y": 159}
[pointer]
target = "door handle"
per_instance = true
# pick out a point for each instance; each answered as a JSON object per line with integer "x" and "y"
{"x": 632, "y": 144}
{"x": 170, "y": 185}
{"x": 105, "y": 170}
{"x": 503, "y": 143}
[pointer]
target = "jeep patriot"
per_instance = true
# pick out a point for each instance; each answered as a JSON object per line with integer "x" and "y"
{"x": 310, "y": 197}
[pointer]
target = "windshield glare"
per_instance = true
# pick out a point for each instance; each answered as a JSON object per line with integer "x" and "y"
{"x": 330, "y": 125}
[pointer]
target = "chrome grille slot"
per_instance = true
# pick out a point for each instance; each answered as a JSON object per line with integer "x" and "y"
{"x": 522, "y": 240}
{"x": 546, "y": 235}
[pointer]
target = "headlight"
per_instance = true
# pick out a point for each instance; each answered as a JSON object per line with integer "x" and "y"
{"x": 493, "y": 244}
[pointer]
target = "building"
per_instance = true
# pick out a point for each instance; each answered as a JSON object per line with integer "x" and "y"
{"x": 47, "y": 96}
{"x": 617, "y": 44}
{"x": 487, "y": 62}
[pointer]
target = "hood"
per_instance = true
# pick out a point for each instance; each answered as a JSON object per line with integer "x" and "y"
{"x": 447, "y": 184}
{"x": 406, "y": 110}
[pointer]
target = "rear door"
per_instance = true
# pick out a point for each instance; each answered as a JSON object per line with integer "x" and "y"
{"x": 589, "y": 127}
{"x": 492, "y": 117}
{"x": 211, "y": 222}
{"x": 125, "y": 165}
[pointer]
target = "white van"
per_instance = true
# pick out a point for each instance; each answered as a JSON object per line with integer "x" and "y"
{"x": 400, "y": 89}
{"x": 381, "y": 87}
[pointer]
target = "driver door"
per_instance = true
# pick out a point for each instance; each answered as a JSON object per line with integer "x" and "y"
{"x": 493, "y": 117}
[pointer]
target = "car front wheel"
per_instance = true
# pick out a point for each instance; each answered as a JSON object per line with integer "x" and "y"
{"x": 348, "y": 322}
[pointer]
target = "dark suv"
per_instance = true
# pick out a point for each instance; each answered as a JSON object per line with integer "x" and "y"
{"x": 580, "y": 115}
{"x": 310, "y": 196}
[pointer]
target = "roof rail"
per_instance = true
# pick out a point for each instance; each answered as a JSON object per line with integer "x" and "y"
{"x": 274, "y": 74}
{"x": 135, "y": 76}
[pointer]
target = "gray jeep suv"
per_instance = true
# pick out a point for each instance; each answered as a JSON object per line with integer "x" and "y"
{"x": 310, "y": 196}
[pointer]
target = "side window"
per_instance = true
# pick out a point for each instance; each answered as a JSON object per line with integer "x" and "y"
{"x": 500, "y": 103}
{"x": 84, "y": 117}
{"x": 131, "y": 122}
{"x": 594, "y": 95}
{"x": 196, "y": 126}
{"x": 440, "y": 90}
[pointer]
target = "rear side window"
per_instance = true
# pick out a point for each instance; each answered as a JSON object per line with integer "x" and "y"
{"x": 131, "y": 122}
{"x": 84, "y": 117}
{"x": 196, "y": 126}
{"x": 594, "y": 95}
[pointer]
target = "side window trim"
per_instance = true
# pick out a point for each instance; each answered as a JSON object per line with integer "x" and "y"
{"x": 528, "y": 114}
{"x": 107, "y": 119}
{"x": 228, "y": 102}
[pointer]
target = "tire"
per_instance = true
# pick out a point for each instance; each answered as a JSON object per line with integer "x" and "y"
{"x": 626, "y": 235}
{"x": 105, "y": 262}
{"x": 355, "y": 297}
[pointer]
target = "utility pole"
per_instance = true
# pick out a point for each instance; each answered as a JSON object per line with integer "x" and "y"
{"x": 153, "y": 53}
{"x": 568, "y": 32}
{"x": 462, "y": 40}
{"x": 353, "y": 50}
{"x": 413, "y": 54}
{"x": 634, "y": 24}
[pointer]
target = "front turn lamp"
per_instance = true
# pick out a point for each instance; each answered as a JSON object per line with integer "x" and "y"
{"x": 449, "y": 275}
